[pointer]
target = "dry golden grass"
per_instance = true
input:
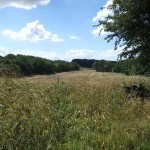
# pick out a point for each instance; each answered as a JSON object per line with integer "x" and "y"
{"x": 85, "y": 110}
{"x": 91, "y": 77}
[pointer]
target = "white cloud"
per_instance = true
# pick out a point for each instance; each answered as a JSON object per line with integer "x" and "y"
{"x": 93, "y": 54}
{"x": 104, "y": 12}
{"x": 25, "y": 4}
{"x": 80, "y": 53}
{"x": 101, "y": 15}
{"x": 73, "y": 54}
{"x": 43, "y": 54}
{"x": 74, "y": 37}
{"x": 69, "y": 54}
{"x": 32, "y": 32}
{"x": 99, "y": 30}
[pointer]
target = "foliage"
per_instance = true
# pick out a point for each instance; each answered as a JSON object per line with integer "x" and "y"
{"x": 65, "y": 66}
{"x": 84, "y": 62}
{"x": 104, "y": 65}
{"x": 129, "y": 24}
{"x": 130, "y": 67}
{"x": 9, "y": 68}
{"x": 29, "y": 65}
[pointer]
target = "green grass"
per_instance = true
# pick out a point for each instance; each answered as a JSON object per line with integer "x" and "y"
{"x": 73, "y": 115}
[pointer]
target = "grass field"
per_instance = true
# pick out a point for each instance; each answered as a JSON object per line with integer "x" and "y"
{"x": 80, "y": 110}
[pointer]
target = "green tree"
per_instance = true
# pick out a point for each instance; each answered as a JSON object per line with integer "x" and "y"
{"x": 84, "y": 62}
{"x": 104, "y": 65}
{"x": 21, "y": 65}
{"x": 129, "y": 24}
{"x": 99, "y": 65}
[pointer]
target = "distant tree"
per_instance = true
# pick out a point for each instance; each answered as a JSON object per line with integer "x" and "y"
{"x": 10, "y": 56}
{"x": 104, "y": 65}
{"x": 129, "y": 67}
{"x": 84, "y": 62}
{"x": 9, "y": 68}
{"x": 129, "y": 24}
{"x": 30, "y": 65}
{"x": 61, "y": 66}
{"x": 73, "y": 66}
{"x": 99, "y": 65}
{"x": 24, "y": 64}
{"x": 109, "y": 65}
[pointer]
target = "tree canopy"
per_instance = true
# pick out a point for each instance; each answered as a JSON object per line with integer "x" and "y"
{"x": 21, "y": 65}
{"x": 84, "y": 62}
{"x": 129, "y": 25}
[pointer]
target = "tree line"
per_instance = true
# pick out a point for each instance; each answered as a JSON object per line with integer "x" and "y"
{"x": 88, "y": 63}
{"x": 128, "y": 66}
{"x": 21, "y": 65}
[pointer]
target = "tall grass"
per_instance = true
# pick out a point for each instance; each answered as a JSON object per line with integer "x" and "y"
{"x": 72, "y": 115}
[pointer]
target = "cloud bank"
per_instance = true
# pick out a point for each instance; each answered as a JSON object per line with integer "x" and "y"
{"x": 102, "y": 14}
{"x": 92, "y": 54}
{"x": 68, "y": 55}
{"x": 32, "y": 32}
{"x": 25, "y": 4}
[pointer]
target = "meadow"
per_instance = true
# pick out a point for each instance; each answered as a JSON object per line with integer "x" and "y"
{"x": 78, "y": 110}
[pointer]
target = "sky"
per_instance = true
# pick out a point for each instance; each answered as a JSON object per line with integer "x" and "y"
{"x": 55, "y": 29}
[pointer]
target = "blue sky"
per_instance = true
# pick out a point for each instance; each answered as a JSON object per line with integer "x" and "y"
{"x": 54, "y": 29}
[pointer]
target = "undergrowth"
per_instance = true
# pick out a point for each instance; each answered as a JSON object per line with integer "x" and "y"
{"x": 71, "y": 116}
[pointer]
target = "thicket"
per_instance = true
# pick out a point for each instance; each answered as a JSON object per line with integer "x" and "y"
{"x": 84, "y": 62}
{"x": 131, "y": 67}
{"x": 128, "y": 66}
{"x": 104, "y": 65}
{"x": 21, "y": 65}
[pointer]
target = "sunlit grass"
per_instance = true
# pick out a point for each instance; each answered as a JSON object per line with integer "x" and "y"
{"x": 85, "y": 110}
